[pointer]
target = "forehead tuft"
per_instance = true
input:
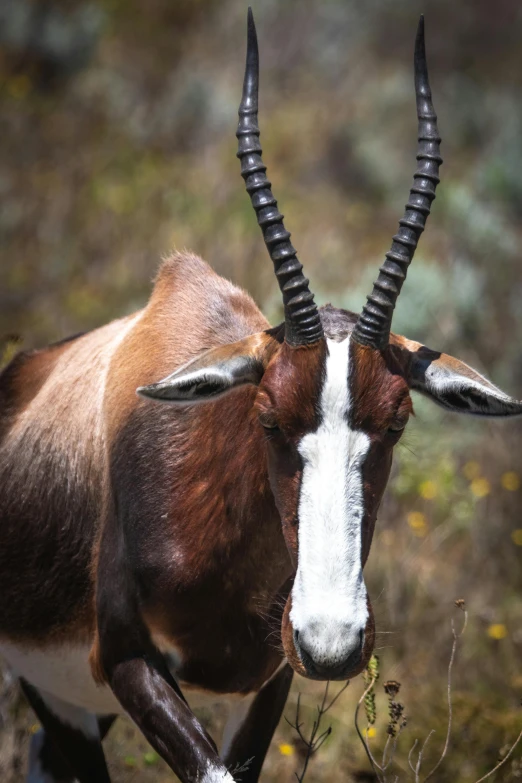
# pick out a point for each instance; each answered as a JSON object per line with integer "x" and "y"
{"x": 337, "y": 324}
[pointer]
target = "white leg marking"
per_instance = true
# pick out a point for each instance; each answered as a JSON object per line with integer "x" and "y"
{"x": 329, "y": 596}
{"x": 216, "y": 775}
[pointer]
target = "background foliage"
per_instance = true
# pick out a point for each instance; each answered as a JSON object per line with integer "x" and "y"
{"x": 118, "y": 121}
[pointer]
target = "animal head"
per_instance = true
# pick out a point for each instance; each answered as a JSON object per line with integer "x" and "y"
{"x": 333, "y": 399}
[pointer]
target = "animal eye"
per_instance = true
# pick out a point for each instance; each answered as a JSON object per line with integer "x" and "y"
{"x": 268, "y": 421}
{"x": 398, "y": 424}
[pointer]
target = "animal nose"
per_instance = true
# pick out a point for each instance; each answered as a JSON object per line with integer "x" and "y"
{"x": 330, "y": 654}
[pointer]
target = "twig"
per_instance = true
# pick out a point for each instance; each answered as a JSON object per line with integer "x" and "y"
{"x": 512, "y": 748}
{"x": 316, "y": 740}
{"x": 456, "y": 637}
{"x": 385, "y": 751}
{"x": 386, "y": 764}
{"x": 240, "y": 768}
{"x": 421, "y": 753}
{"x": 346, "y": 684}
{"x": 410, "y": 755}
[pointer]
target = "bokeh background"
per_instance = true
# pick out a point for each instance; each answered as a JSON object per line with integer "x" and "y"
{"x": 117, "y": 145}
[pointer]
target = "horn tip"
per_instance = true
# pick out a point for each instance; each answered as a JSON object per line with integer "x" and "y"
{"x": 419, "y": 41}
{"x": 251, "y": 32}
{"x": 420, "y": 64}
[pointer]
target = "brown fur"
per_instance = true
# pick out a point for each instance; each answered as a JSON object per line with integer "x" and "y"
{"x": 56, "y": 421}
{"x": 174, "y": 513}
{"x": 51, "y": 478}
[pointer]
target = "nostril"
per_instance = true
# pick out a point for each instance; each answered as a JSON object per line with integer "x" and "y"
{"x": 329, "y": 663}
{"x": 354, "y": 658}
{"x": 303, "y": 652}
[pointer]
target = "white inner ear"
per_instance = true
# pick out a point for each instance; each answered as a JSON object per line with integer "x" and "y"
{"x": 329, "y": 580}
{"x": 204, "y": 383}
{"x": 189, "y": 387}
{"x": 478, "y": 395}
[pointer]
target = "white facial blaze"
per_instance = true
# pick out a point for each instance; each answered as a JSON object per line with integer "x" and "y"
{"x": 329, "y": 608}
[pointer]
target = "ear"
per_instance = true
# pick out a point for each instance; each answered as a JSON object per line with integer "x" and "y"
{"x": 215, "y": 372}
{"x": 453, "y": 384}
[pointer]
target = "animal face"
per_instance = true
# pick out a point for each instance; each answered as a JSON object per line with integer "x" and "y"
{"x": 333, "y": 400}
{"x": 316, "y": 458}
{"x": 331, "y": 414}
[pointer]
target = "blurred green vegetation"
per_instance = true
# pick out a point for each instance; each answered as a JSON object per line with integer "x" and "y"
{"x": 118, "y": 122}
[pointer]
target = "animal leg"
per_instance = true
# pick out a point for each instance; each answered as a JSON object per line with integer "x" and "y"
{"x": 46, "y": 763}
{"x": 245, "y": 749}
{"x": 69, "y": 747}
{"x": 124, "y": 656}
{"x": 154, "y": 702}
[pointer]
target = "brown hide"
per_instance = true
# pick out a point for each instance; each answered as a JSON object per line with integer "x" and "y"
{"x": 193, "y": 495}
{"x": 51, "y": 482}
{"x": 202, "y": 534}
{"x": 201, "y": 530}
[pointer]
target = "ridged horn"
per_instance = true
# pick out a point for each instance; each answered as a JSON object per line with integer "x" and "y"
{"x": 374, "y": 323}
{"x": 302, "y": 322}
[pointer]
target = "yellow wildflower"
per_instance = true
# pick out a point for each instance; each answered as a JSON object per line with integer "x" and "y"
{"x": 510, "y": 481}
{"x": 417, "y": 522}
{"x": 471, "y": 470}
{"x": 516, "y": 537}
{"x": 371, "y": 732}
{"x": 480, "y": 487}
{"x": 428, "y": 490}
{"x": 286, "y": 750}
{"x": 497, "y": 631}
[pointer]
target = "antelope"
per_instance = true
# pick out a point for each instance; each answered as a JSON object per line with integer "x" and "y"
{"x": 150, "y": 554}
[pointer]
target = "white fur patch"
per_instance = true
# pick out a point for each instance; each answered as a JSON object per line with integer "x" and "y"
{"x": 329, "y": 608}
{"x": 489, "y": 399}
{"x": 62, "y": 673}
{"x": 216, "y": 775}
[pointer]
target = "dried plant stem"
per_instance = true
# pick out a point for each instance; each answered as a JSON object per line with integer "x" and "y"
{"x": 316, "y": 740}
{"x": 375, "y": 765}
{"x": 385, "y": 752}
{"x": 385, "y": 760}
{"x": 410, "y": 754}
{"x": 456, "y": 638}
{"x": 421, "y": 753}
{"x": 391, "y": 742}
{"x": 346, "y": 684}
{"x": 500, "y": 763}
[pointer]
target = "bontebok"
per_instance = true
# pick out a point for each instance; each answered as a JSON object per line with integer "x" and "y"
{"x": 153, "y": 554}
